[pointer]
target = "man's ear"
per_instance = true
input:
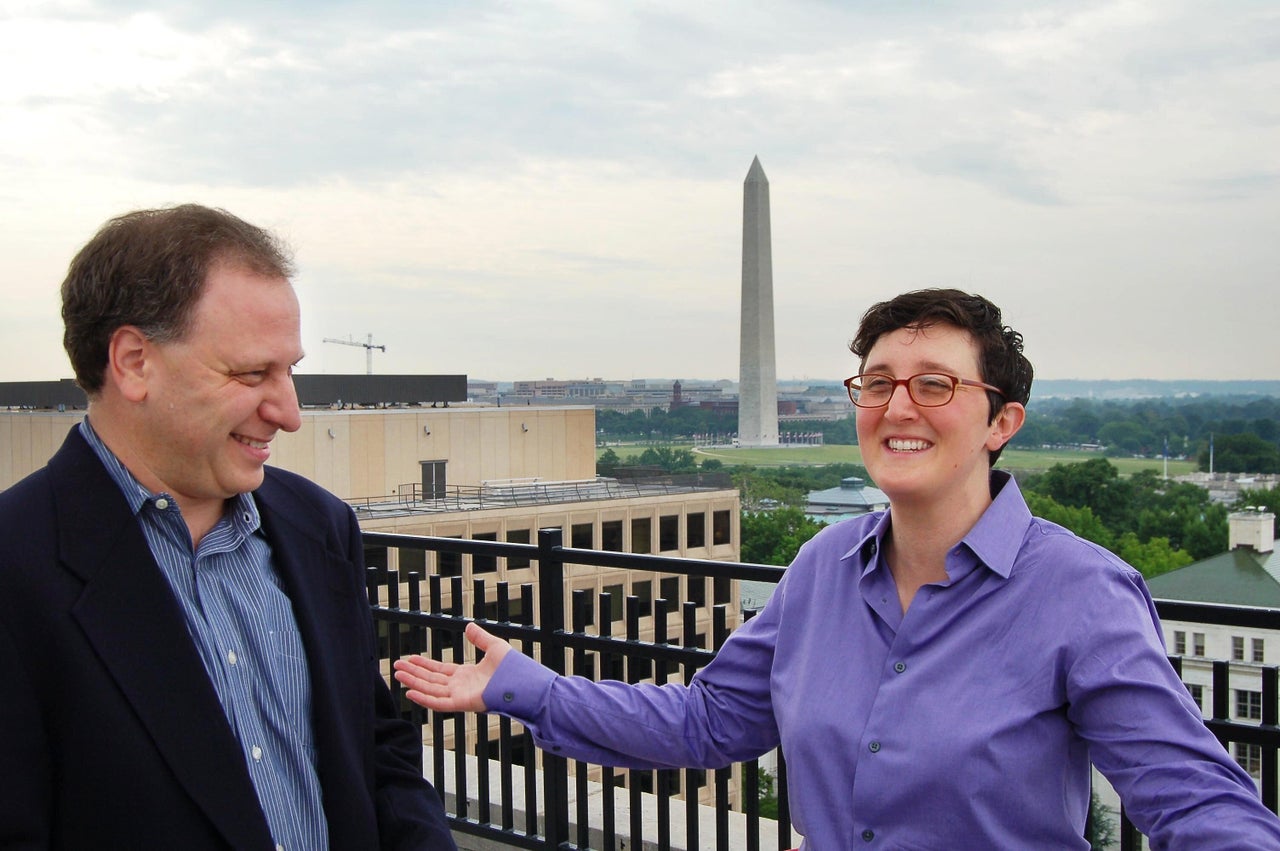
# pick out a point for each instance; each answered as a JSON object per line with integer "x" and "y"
{"x": 128, "y": 352}
{"x": 1006, "y": 425}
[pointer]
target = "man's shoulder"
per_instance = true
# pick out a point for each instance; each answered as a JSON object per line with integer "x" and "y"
{"x": 74, "y": 465}
{"x": 22, "y": 497}
{"x": 285, "y": 490}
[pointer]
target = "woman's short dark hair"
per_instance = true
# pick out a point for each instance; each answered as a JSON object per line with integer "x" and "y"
{"x": 1000, "y": 354}
{"x": 148, "y": 269}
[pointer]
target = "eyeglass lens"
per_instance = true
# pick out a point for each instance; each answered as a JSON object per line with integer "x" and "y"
{"x": 927, "y": 390}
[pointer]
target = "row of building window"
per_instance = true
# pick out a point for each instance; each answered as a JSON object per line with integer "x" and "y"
{"x": 582, "y": 536}
{"x": 1248, "y": 704}
{"x": 669, "y": 597}
{"x": 1256, "y": 647}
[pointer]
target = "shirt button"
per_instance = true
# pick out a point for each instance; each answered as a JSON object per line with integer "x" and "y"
{"x": 508, "y": 697}
{"x": 162, "y": 503}
{"x": 248, "y": 519}
{"x": 232, "y": 658}
{"x": 874, "y": 747}
{"x": 900, "y": 666}
{"x": 868, "y": 835}
{"x": 257, "y": 753}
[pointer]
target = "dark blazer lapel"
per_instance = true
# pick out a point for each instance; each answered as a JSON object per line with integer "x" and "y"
{"x": 135, "y": 625}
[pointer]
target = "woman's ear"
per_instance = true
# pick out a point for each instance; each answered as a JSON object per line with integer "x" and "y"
{"x": 1006, "y": 425}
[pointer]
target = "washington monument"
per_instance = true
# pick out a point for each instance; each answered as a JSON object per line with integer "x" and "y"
{"x": 757, "y": 379}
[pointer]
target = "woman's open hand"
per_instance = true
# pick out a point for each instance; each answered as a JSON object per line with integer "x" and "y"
{"x": 449, "y": 687}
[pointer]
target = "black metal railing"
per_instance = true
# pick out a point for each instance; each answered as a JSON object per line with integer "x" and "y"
{"x": 523, "y": 492}
{"x": 498, "y": 786}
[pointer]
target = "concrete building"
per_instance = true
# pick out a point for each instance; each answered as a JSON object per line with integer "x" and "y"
{"x": 852, "y": 498}
{"x": 1248, "y": 574}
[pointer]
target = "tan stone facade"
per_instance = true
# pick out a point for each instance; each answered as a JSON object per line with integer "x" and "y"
{"x": 28, "y": 440}
{"x": 370, "y": 454}
{"x": 364, "y": 454}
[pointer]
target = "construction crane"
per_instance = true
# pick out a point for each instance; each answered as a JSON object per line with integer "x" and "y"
{"x": 368, "y": 349}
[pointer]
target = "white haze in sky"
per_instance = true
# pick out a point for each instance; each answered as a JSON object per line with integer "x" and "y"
{"x": 534, "y": 189}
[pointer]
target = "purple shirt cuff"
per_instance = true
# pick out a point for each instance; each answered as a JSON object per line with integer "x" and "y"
{"x": 519, "y": 687}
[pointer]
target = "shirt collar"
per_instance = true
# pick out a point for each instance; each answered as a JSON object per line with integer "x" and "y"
{"x": 994, "y": 540}
{"x": 866, "y": 546}
{"x": 997, "y": 536}
{"x": 241, "y": 508}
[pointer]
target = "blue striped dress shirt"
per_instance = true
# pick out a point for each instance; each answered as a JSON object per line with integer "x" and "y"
{"x": 242, "y": 623}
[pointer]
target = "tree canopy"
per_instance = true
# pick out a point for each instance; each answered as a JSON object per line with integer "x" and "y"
{"x": 1126, "y": 515}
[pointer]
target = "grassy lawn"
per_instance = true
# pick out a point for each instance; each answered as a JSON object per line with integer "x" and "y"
{"x": 1037, "y": 460}
{"x": 1012, "y": 459}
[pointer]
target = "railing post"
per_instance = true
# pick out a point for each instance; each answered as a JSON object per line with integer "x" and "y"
{"x": 1270, "y": 718}
{"x": 551, "y": 627}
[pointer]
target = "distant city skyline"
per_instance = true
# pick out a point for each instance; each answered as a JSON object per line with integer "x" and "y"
{"x": 552, "y": 188}
{"x": 1131, "y": 388}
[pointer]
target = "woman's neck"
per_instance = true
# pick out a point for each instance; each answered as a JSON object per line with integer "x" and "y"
{"x": 921, "y": 535}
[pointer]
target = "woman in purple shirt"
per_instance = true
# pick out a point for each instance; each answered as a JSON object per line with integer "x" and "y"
{"x": 939, "y": 675}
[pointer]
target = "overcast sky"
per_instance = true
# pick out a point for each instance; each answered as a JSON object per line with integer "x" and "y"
{"x": 535, "y": 189}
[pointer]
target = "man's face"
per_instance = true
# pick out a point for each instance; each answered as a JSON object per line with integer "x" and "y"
{"x": 216, "y": 398}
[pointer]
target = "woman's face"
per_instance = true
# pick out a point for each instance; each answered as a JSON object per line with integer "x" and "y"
{"x": 923, "y": 455}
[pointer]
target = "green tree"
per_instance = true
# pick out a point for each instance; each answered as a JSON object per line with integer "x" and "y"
{"x": 1241, "y": 453}
{"x": 1179, "y": 511}
{"x": 791, "y": 485}
{"x": 1126, "y": 437}
{"x": 842, "y": 432}
{"x": 1265, "y": 498}
{"x": 670, "y": 459}
{"x": 1094, "y": 484}
{"x": 607, "y": 463}
{"x": 774, "y": 537}
{"x": 1080, "y": 520}
{"x": 1082, "y": 421}
{"x": 1102, "y": 825}
{"x": 1143, "y": 507}
{"x": 768, "y": 790}
{"x": 1151, "y": 557}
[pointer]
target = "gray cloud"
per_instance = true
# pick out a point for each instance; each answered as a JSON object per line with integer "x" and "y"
{"x": 511, "y": 166}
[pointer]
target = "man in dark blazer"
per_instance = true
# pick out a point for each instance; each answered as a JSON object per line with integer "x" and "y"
{"x": 187, "y": 658}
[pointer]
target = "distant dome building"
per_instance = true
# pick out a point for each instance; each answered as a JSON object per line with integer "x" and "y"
{"x": 852, "y": 498}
